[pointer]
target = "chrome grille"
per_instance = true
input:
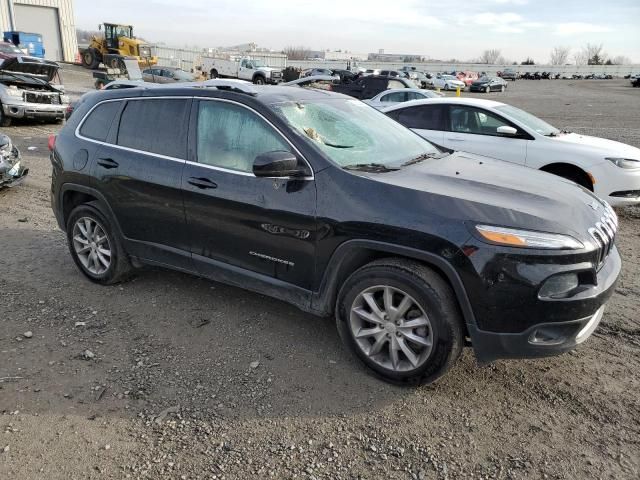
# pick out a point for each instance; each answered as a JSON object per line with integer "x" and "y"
{"x": 604, "y": 234}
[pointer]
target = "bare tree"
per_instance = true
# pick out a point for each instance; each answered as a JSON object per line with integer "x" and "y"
{"x": 595, "y": 54}
{"x": 297, "y": 52}
{"x": 490, "y": 56}
{"x": 621, "y": 60}
{"x": 580, "y": 58}
{"x": 560, "y": 55}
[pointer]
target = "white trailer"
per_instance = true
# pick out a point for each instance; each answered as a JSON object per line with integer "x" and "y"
{"x": 243, "y": 68}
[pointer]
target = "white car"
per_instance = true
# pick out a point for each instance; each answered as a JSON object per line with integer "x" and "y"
{"x": 448, "y": 82}
{"x": 484, "y": 127}
{"x": 399, "y": 95}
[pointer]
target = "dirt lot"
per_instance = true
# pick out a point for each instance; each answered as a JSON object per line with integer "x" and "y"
{"x": 171, "y": 376}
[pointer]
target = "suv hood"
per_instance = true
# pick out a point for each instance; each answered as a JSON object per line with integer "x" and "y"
{"x": 31, "y": 65}
{"x": 481, "y": 189}
{"x": 609, "y": 148}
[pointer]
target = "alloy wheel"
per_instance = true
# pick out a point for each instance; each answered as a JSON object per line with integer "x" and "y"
{"x": 391, "y": 328}
{"x": 91, "y": 244}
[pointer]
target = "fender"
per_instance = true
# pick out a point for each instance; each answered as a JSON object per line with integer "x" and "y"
{"x": 105, "y": 208}
{"x": 324, "y": 300}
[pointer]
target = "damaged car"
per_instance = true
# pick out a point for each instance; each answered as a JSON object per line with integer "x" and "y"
{"x": 30, "y": 88}
{"x": 12, "y": 170}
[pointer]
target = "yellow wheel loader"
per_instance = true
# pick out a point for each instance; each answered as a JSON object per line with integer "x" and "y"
{"x": 118, "y": 42}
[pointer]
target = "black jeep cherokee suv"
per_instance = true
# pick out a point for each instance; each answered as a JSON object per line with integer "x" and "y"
{"x": 317, "y": 199}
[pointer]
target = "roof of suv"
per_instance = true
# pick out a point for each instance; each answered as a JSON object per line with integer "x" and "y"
{"x": 266, "y": 94}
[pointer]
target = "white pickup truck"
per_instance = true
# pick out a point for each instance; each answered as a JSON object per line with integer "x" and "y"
{"x": 244, "y": 69}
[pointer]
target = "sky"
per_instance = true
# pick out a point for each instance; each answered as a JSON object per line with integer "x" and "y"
{"x": 438, "y": 30}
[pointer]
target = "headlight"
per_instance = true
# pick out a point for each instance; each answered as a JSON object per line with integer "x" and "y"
{"x": 527, "y": 239}
{"x": 14, "y": 92}
{"x": 15, "y": 169}
{"x": 624, "y": 162}
{"x": 64, "y": 98}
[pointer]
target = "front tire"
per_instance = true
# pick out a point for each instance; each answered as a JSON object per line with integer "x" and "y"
{"x": 259, "y": 80}
{"x": 400, "y": 318}
{"x": 95, "y": 246}
{"x": 503, "y": 88}
{"x": 487, "y": 90}
{"x": 4, "y": 120}
{"x": 213, "y": 74}
{"x": 90, "y": 59}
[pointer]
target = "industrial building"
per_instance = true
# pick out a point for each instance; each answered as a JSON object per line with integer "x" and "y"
{"x": 53, "y": 19}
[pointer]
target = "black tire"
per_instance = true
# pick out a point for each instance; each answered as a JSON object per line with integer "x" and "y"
{"x": 119, "y": 266}
{"x": 431, "y": 293}
{"x": 571, "y": 173}
{"x": 259, "y": 80}
{"x": 213, "y": 73}
{"x": 4, "y": 120}
{"x": 90, "y": 59}
{"x": 487, "y": 90}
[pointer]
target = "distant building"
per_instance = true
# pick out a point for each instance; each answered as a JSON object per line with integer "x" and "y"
{"x": 53, "y": 19}
{"x": 394, "y": 57}
{"x": 344, "y": 56}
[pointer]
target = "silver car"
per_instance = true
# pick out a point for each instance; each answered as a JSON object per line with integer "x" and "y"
{"x": 28, "y": 90}
{"x": 166, "y": 75}
{"x": 399, "y": 95}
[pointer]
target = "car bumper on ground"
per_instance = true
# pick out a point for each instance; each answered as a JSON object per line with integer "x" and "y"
{"x": 551, "y": 326}
{"x": 618, "y": 186}
{"x": 35, "y": 111}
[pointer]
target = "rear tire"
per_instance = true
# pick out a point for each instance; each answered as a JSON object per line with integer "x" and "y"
{"x": 416, "y": 346}
{"x": 487, "y": 90}
{"x": 95, "y": 246}
{"x": 503, "y": 88}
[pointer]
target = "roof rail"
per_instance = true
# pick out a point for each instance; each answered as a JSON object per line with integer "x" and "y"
{"x": 240, "y": 86}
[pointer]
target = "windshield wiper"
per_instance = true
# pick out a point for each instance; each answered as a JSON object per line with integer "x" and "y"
{"x": 420, "y": 158}
{"x": 370, "y": 167}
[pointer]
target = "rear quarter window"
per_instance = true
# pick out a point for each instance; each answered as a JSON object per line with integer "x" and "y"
{"x": 97, "y": 124}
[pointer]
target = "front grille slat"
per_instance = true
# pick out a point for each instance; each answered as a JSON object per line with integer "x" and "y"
{"x": 604, "y": 234}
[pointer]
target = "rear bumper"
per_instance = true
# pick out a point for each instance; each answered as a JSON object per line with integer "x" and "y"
{"x": 34, "y": 111}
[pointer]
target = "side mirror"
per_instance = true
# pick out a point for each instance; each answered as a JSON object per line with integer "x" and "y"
{"x": 276, "y": 164}
{"x": 507, "y": 131}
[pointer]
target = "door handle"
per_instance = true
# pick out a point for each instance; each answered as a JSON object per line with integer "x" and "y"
{"x": 202, "y": 183}
{"x": 456, "y": 139}
{"x": 107, "y": 163}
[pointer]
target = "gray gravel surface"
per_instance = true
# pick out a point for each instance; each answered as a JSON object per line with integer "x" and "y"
{"x": 171, "y": 376}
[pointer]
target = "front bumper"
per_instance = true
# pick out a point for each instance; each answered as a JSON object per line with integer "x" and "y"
{"x": 36, "y": 111}
{"x": 551, "y": 331}
{"x": 618, "y": 186}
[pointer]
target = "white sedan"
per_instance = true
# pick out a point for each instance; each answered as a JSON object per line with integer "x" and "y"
{"x": 484, "y": 127}
{"x": 448, "y": 82}
{"x": 400, "y": 95}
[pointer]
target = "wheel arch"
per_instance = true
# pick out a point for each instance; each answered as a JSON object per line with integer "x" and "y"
{"x": 258, "y": 75}
{"x": 71, "y": 195}
{"x": 354, "y": 254}
{"x": 560, "y": 168}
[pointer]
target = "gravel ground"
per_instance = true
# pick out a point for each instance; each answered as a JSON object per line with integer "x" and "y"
{"x": 171, "y": 376}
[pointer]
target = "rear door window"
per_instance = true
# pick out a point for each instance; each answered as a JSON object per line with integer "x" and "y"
{"x": 96, "y": 126}
{"x": 424, "y": 117}
{"x": 156, "y": 126}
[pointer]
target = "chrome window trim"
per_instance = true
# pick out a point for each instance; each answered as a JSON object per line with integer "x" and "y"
{"x": 185, "y": 161}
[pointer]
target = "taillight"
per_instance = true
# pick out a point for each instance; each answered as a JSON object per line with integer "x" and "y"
{"x": 52, "y": 142}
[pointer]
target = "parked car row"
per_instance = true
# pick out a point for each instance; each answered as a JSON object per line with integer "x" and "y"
{"x": 416, "y": 244}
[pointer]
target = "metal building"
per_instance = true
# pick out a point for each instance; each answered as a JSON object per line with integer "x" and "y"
{"x": 53, "y": 19}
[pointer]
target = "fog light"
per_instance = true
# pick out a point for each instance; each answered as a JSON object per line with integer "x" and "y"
{"x": 559, "y": 285}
